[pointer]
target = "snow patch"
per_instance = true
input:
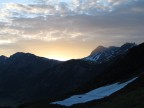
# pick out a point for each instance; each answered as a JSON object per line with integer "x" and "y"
{"x": 95, "y": 94}
{"x": 93, "y": 58}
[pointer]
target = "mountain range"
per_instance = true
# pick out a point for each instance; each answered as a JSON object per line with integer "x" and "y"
{"x": 29, "y": 81}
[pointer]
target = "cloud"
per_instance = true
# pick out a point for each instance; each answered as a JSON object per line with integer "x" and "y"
{"x": 76, "y": 21}
{"x": 60, "y": 8}
{"x": 5, "y": 42}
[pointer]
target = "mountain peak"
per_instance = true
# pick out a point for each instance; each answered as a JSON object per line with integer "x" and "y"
{"x": 128, "y": 44}
{"x": 20, "y": 54}
{"x": 98, "y": 49}
{"x": 102, "y": 53}
{"x": 2, "y": 58}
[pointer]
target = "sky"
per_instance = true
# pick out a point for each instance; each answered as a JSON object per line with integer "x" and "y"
{"x": 68, "y": 29}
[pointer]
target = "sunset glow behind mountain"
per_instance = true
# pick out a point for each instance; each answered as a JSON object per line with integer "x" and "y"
{"x": 68, "y": 29}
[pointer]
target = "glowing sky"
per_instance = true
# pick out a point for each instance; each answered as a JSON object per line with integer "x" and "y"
{"x": 65, "y": 29}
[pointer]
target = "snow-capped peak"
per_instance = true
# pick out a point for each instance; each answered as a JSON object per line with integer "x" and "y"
{"x": 98, "y": 49}
{"x": 102, "y": 54}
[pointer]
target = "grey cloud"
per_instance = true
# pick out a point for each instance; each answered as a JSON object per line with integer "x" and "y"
{"x": 123, "y": 24}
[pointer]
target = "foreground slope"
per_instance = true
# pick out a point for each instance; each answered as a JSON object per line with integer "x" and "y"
{"x": 129, "y": 97}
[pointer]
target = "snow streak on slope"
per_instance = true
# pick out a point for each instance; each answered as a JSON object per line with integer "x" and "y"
{"x": 98, "y": 93}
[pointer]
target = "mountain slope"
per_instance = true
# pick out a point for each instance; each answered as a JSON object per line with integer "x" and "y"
{"x": 96, "y": 94}
{"x": 129, "y": 97}
{"x": 17, "y": 73}
{"x": 128, "y": 66}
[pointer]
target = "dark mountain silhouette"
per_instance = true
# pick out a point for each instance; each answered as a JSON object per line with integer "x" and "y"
{"x": 2, "y": 59}
{"x": 26, "y": 78}
{"x": 17, "y": 74}
{"x": 98, "y": 49}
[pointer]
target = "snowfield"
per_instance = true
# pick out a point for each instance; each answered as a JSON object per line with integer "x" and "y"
{"x": 95, "y": 94}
